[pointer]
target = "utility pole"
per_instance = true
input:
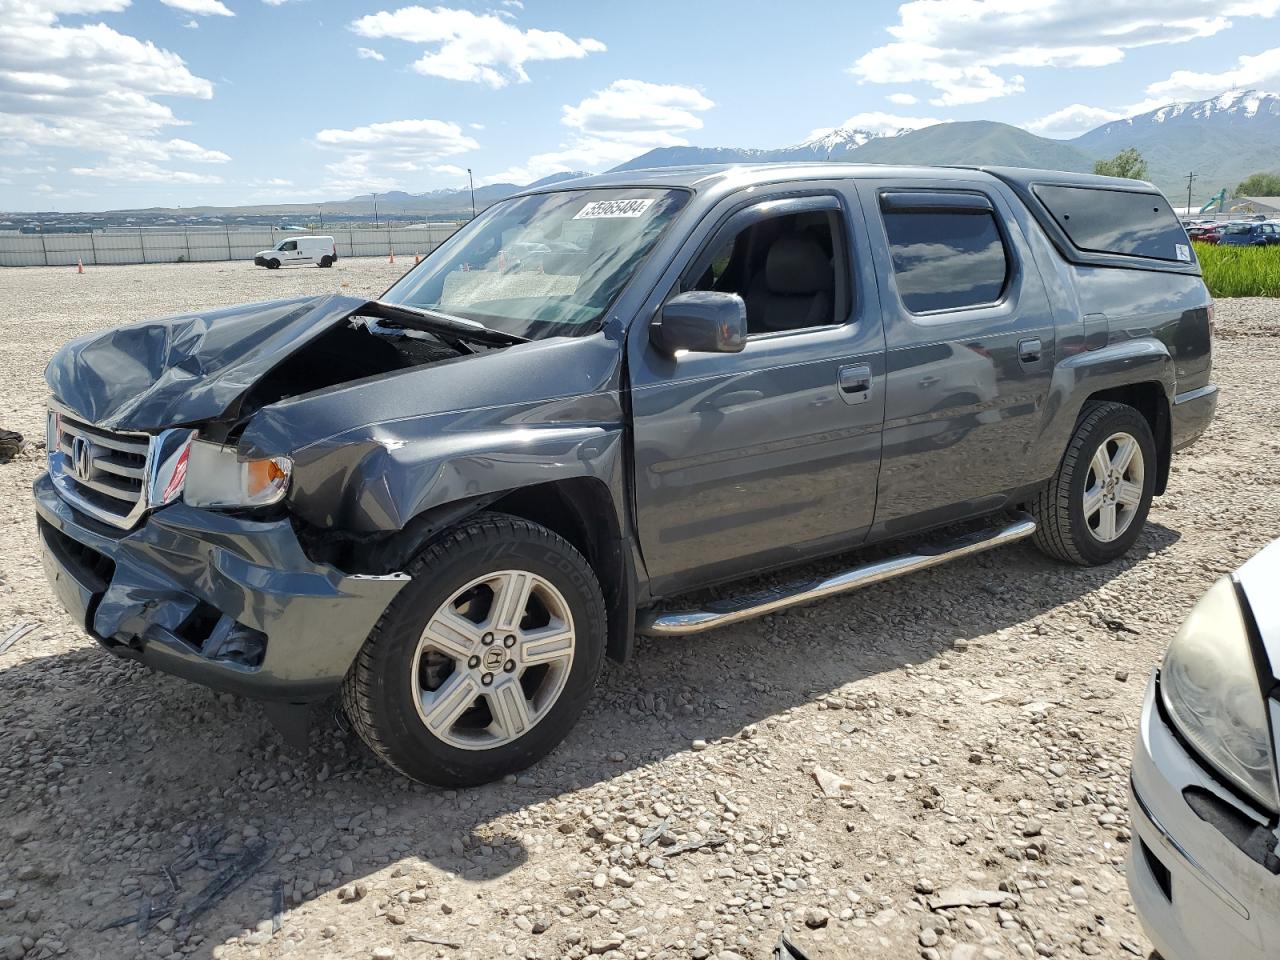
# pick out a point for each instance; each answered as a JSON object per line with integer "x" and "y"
{"x": 375, "y": 209}
{"x": 473, "y": 193}
{"x": 320, "y": 207}
{"x": 1191, "y": 178}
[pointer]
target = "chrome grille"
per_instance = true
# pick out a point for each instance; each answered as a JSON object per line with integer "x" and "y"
{"x": 102, "y": 472}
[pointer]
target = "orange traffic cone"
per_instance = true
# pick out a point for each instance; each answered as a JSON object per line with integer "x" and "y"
{"x": 391, "y": 258}
{"x": 417, "y": 258}
{"x": 79, "y": 265}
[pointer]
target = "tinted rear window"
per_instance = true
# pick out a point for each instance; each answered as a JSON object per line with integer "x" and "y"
{"x": 946, "y": 261}
{"x": 1117, "y": 221}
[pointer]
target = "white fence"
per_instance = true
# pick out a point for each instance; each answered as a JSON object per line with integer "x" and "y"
{"x": 150, "y": 245}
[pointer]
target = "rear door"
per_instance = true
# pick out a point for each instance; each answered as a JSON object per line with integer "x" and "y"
{"x": 749, "y": 460}
{"x": 970, "y": 345}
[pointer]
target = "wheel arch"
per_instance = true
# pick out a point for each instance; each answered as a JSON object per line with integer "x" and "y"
{"x": 582, "y": 510}
{"x": 579, "y": 509}
{"x": 1150, "y": 399}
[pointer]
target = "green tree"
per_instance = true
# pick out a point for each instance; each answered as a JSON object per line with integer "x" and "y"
{"x": 1260, "y": 185}
{"x": 1127, "y": 163}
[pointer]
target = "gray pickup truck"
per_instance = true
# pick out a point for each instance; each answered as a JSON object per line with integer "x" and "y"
{"x": 451, "y": 503}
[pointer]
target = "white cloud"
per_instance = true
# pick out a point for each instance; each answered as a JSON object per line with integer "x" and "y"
{"x": 615, "y": 124}
{"x": 1073, "y": 120}
{"x": 970, "y": 51}
{"x": 202, "y": 8}
{"x": 377, "y": 154}
{"x": 92, "y": 89}
{"x": 903, "y": 99}
{"x": 436, "y": 138}
{"x": 135, "y": 171}
{"x": 1249, "y": 71}
{"x": 630, "y": 110}
{"x": 192, "y": 24}
{"x": 364, "y": 53}
{"x": 478, "y": 48}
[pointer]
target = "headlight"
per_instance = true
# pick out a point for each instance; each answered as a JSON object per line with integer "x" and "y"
{"x": 1212, "y": 692}
{"x": 216, "y": 477}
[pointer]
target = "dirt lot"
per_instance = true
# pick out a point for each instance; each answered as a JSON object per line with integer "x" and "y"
{"x": 982, "y": 713}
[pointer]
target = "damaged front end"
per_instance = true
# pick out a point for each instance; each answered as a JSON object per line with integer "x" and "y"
{"x": 162, "y": 541}
{"x": 230, "y": 496}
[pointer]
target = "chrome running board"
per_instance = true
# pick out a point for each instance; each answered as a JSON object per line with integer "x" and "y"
{"x": 720, "y": 613}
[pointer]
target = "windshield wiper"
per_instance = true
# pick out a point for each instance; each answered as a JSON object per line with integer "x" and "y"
{"x": 433, "y": 321}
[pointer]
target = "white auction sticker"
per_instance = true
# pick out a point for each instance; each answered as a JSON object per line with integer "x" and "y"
{"x": 604, "y": 209}
{"x": 1183, "y": 251}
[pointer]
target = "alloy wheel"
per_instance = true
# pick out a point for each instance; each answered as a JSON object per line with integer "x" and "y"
{"x": 1113, "y": 488}
{"x": 493, "y": 660}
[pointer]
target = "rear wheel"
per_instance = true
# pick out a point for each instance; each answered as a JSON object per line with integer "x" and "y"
{"x": 326, "y": 261}
{"x": 1095, "y": 506}
{"x": 485, "y": 661}
{"x": 273, "y": 264}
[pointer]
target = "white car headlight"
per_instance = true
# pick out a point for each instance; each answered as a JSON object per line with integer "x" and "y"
{"x": 216, "y": 477}
{"x": 1212, "y": 691}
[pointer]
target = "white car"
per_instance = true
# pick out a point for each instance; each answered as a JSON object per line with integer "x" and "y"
{"x": 321, "y": 251}
{"x": 1204, "y": 871}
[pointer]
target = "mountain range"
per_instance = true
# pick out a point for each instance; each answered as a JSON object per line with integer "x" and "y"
{"x": 1223, "y": 140}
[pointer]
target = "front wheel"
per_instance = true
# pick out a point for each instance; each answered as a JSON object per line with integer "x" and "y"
{"x": 273, "y": 264}
{"x": 1095, "y": 506}
{"x": 485, "y": 661}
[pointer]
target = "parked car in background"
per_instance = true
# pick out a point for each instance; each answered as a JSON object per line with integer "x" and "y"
{"x": 1204, "y": 871}
{"x": 1249, "y": 234}
{"x": 1205, "y": 232}
{"x": 452, "y": 503}
{"x": 293, "y": 251}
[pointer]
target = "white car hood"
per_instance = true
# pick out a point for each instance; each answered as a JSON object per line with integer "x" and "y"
{"x": 1259, "y": 578}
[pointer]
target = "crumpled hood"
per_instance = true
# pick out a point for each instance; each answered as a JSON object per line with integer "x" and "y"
{"x": 187, "y": 368}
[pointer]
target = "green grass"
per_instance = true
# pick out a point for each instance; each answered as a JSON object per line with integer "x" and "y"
{"x": 1240, "y": 271}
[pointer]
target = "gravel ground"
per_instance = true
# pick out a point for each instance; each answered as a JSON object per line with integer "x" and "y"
{"x": 978, "y": 717}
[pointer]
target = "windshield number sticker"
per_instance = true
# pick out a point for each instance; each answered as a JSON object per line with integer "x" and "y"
{"x": 1184, "y": 252}
{"x": 613, "y": 209}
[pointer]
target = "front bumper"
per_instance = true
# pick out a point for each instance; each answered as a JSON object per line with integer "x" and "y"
{"x": 1192, "y": 413}
{"x": 224, "y": 601}
{"x": 1198, "y": 896}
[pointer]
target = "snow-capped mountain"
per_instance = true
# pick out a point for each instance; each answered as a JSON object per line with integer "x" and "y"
{"x": 1221, "y": 140}
{"x": 838, "y": 140}
{"x": 1254, "y": 109}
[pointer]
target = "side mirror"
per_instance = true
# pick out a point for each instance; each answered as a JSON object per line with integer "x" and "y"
{"x": 701, "y": 321}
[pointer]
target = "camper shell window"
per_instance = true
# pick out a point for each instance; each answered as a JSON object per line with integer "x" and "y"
{"x": 1125, "y": 223}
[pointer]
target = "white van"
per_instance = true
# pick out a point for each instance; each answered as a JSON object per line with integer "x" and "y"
{"x": 321, "y": 251}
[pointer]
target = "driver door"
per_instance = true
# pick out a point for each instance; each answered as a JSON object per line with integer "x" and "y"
{"x": 756, "y": 459}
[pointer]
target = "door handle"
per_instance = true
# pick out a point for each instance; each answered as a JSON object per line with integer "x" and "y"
{"x": 854, "y": 382}
{"x": 1029, "y": 350}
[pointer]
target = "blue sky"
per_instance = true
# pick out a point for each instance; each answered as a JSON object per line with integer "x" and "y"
{"x": 123, "y": 103}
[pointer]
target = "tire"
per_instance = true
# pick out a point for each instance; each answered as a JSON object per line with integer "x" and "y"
{"x": 1070, "y": 530}
{"x": 326, "y": 261}
{"x": 405, "y": 674}
{"x": 273, "y": 264}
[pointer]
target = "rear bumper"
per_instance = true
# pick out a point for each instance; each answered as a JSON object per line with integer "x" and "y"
{"x": 230, "y": 603}
{"x": 1192, "y": 413}
{"x": 1197, "y": 895}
